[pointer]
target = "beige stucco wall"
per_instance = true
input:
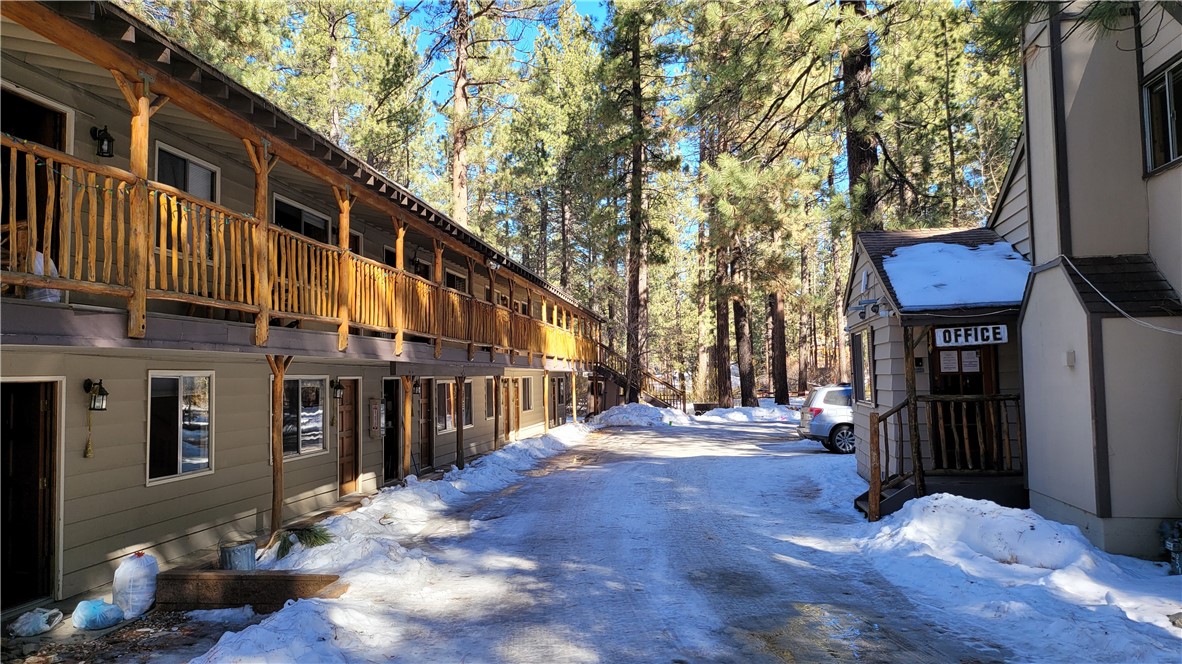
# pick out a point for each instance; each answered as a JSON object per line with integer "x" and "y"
{"x": 1058, "y": 398}
{"x": 1041, "y": 154}
{"x": 1165, "y": 224}
{"x": 1143, "y": 391}
{"x": 1109, "y": 208}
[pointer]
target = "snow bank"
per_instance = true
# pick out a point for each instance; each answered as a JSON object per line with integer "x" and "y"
{"x": 640, "y": 415}
{"x": 764, "y": 413}
{"x": 1042, "y": 580}
{"x": 936, "y": 275}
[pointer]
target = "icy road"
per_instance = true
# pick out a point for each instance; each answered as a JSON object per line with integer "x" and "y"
{"x": 706, "y": 542}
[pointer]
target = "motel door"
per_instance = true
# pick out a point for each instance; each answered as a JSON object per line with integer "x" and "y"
{"x": 392, "y": 436}
{"x": 27, "y": 437}
{"x": 424, "y": 461}
{"x": 957, "y": 427}
{"x": 347, "y": 438}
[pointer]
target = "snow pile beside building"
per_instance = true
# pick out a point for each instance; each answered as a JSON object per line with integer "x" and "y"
{"x": 1043, "y": 580}
{"x": 765, "y": 413}
{"x": 640, "y": 415}
{"x": 936, "y": 275}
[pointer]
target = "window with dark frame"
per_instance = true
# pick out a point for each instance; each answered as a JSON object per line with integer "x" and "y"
{"x": 1163, "y": 119}
{"x": 862, "y": 344}
{"x": 445, "y": 395}
{"x": 180, "y": 437}
{"x": 455, "y": 281}
{"x": 303, "y": 416}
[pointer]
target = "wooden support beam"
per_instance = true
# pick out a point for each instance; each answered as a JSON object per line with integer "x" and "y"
{"x": 263, "y": 259}
{"x": 279, "y": 365}
{"x": 913, "y": 410}
{"x": 438, "y": 278}
{"x": 546, "y": 400}
{"x": 471, "y": 313}
{"x": 345, "y": 280}
{"x": 873, "y": 509}
{"x": 458, "y": 418}
{"x": 407, "y": 417}
{"x": 138, "y": 235}
{"x": 157, "y": 104}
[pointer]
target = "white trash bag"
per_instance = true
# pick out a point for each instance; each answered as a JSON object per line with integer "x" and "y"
{"x": 35, "y": 622}
{"x": 135, "y": 584}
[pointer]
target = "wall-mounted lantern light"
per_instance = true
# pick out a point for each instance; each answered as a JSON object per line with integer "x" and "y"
{"x": 338, "y": 390}
{"x": 105, "y": 142}
{"x": 98, "y": 394}
{"x": 417, "y": 388}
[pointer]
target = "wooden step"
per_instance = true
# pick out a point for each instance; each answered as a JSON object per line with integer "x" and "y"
{"x": 893, "y": 498}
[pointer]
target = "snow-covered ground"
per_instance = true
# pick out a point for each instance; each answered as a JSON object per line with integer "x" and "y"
{"x": 719, "y": 538}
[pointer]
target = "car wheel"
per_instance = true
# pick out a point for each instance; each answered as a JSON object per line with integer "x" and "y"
{"x": 842, "y": 440}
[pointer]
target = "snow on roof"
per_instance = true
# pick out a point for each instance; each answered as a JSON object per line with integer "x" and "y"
{"x": 937, "y": 275}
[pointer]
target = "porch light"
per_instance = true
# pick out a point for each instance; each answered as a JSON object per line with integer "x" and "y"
{"x": 106, "y": 142}
{"x": 493, "y": 265}
{"x": 338, "y": 390}
{"x": 98, "y": 394}
{"x": 417, "y": 388}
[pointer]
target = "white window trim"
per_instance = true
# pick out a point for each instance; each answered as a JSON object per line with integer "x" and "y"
{"x": 1174, "y": 71}
{"x": 527, "y": 387}
{"x": 271, "y": 420}
{"x": 163, "y": 373}
{"x": 435, "y": 398}
{"x": 217, "y": 171}
{"x": 490, "y": 385}
{"x": 447, "y": 271}
{"x": 52, "y": 105}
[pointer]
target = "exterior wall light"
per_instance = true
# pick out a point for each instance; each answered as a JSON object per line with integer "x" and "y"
{"x": 338, "y": 390}
{"x": 417, "y": 389}
{"x": 98, "y": 394}
{"x": 106, "y": 142}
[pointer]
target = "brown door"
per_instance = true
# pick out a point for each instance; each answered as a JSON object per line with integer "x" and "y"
{"x": 505, "y": 419}
{"x": 347, "y": 438}
{"x": 425, "y": 460}
{"x": 392, "y": 436}
{"x": 27, "y": 483}
{"x": 958, "y": 427}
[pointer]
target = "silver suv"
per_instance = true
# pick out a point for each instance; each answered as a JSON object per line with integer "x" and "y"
{"x": 828, "y": 416}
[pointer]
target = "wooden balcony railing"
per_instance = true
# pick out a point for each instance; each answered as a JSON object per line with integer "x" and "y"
{"x": 202, "y": 253}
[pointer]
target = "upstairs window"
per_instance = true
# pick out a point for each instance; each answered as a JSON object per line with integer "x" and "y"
{"x": 301, "y": 220}
{"x": 455, "y": 281}
{"x": 187, "y": 173}
{"x": 1163, "y": 118}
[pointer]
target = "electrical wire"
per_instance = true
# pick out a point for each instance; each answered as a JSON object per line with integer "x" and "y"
{"x": 1112, "y": 304}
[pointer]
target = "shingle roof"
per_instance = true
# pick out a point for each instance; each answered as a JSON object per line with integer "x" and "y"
{"x": 1132, "y": 282}
{"x": 880, "y": 244}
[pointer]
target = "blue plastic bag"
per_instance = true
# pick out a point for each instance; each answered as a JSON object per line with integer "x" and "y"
{"x": 96, "y": 614}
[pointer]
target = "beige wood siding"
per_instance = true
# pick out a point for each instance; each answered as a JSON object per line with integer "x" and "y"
{"x": 1165, "y": 224}
{"x": 1013, "y": 216}
{"x": 1041, "y": 155}
{"x": 1167, "y": 36}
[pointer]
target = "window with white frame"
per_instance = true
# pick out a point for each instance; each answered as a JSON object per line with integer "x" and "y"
{"x": 180, "y": 418}
{"x": 862, "y": 344}
{"x": 527, "y": 394}
{"x": 1163, "y": 116}
{"x": 304, "y": 400}
{"x": 445, "y": 400}
{"x": 490, "y": 408}
{"x": 455, "y": 281}
{"x": 186, "y": 172}
{"x": 297, "y": 218}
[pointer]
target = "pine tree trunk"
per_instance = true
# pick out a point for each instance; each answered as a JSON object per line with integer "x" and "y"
{"x": 637, "y": 254}
{"x": 461, "y": 37}
{"x": 745, "y": 352}
{"x": 802, "y": 353}
{"x": 705, "y": 382}
{"x": 722, "y": 346}
{"x": 564, "y": 204}
{"x": 543, "y": 233}
{"x": 779, "y": 348}
{"x": 861, "y": 152}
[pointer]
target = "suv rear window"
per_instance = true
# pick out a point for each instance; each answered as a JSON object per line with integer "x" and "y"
{"x": 838, "y": 398}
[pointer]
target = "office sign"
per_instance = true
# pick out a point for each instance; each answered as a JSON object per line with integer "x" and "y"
{"x": 972, "y": 335}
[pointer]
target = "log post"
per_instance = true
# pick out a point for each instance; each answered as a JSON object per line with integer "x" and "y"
{"x": 458, "y": 407}
{"x": 279, "y": 365}
{"x": 263, "y": 260}
{"x": 345, "y": 279}
{"x": 873, "y": 509}
{"x": 496, "y": 412}
{"x": 407, "y": 416}
{"x": 471, "y": 311}
{"x": 438, "y": 274}
{"x": 400, "y": 292}
{"x": 137, "y": 307}
{"x": 913, "y": 411}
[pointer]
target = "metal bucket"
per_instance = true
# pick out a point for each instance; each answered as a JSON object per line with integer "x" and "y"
{"x": 237, "y": 554}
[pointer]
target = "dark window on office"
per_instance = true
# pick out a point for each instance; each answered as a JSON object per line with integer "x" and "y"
{"x": 177, "y": 171}
{"x": 301, "y": 221}
{"x": 862, "y": 344}
{"x": 1163, "y": 96}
